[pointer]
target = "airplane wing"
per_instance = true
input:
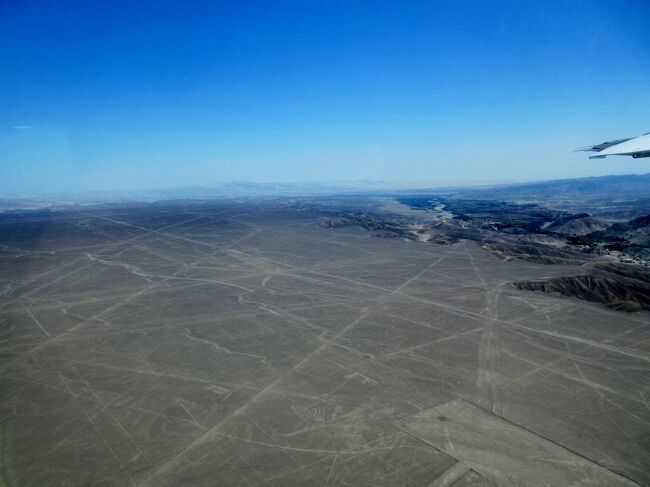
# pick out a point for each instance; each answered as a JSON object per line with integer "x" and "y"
{"x": 635, "y": 147}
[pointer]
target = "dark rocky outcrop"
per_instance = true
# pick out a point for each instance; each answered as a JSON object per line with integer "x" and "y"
{"x": 578, "y": 224}
{"x": 618, "y": 286}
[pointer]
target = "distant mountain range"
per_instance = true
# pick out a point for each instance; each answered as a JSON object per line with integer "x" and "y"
{"x": 628, "y": 187}
{"x": 235, "y": 189}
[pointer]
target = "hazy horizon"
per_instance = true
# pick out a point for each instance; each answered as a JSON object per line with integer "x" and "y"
{"x": 361, "y": 183}
{"x": 278, "y": 188}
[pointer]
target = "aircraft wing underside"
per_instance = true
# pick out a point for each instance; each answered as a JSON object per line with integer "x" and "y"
{"x": 636, "y": 147}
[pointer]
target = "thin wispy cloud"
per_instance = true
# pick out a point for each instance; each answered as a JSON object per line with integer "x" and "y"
{"x": 22, "y": 127}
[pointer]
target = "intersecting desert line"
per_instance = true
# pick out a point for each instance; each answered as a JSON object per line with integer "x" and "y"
{"x": 239, "y": 343}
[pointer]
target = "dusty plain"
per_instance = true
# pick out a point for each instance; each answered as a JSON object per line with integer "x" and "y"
{"x": 242, "y": 343}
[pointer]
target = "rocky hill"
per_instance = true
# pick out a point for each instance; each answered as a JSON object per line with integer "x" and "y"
{"x": 578, "y": 224}
{"x": 618, "y": 286}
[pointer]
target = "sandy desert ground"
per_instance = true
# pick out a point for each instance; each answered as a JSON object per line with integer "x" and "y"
{"x": 240, "y": 343}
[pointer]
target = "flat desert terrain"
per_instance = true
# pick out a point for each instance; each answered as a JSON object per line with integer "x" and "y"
{"x": 243, "y": 343}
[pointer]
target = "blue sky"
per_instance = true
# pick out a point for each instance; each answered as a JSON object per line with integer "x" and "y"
{"x": 118, "y": 95}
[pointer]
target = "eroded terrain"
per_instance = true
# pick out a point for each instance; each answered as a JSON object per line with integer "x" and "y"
{"x": 613, "y": 255}
{"x": 274, "y": 343}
